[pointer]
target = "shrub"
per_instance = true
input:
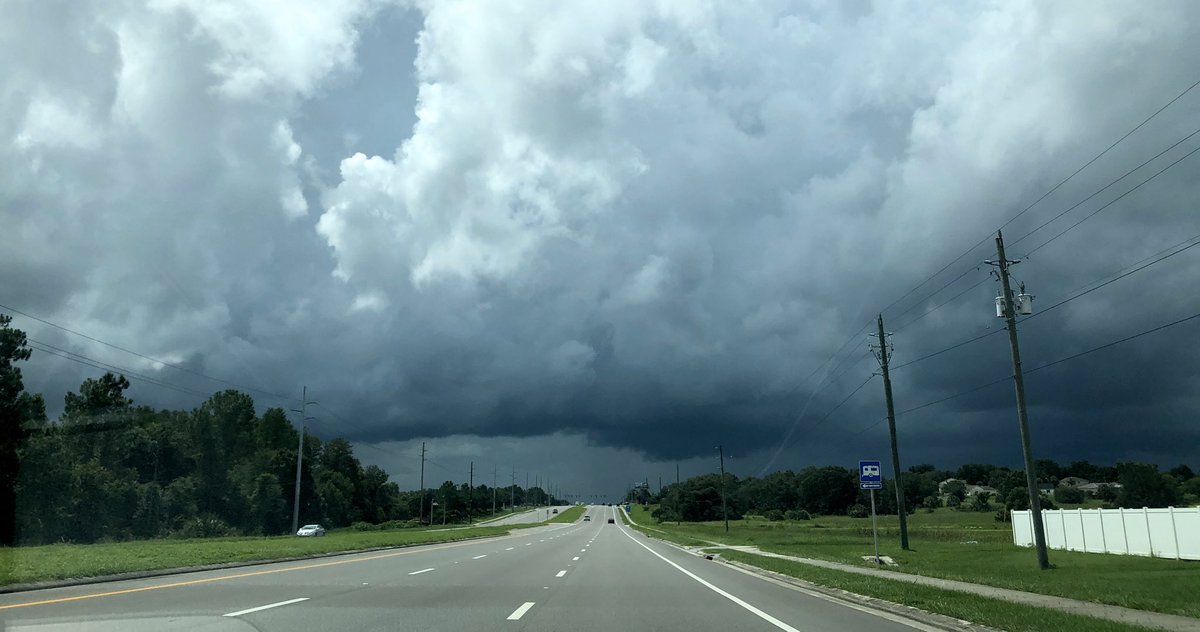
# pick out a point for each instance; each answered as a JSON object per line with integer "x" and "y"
{"x": 207, "y": 526}
{"x": 1068, "y": 495}
{"x": 931, "y": 502}
{"x": 774, "y": 515}
{"x": 797, "y": 514}
{"x": 858, "y": 511}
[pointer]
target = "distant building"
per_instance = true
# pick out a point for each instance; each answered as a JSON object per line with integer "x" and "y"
{"x": 1073, "y": 481}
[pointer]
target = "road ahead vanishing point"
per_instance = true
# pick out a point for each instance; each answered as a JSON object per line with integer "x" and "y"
{"x": 582, "y": 576}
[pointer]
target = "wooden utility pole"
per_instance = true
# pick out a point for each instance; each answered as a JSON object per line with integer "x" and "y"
{"x": 471, "y": 494}
{"x": 884, "y": 349}
{"x": 495, "y": 470}
{"x": 421, "y": 511}
{"x": 1010, "y": 317}
{"x": 724, "y": 507}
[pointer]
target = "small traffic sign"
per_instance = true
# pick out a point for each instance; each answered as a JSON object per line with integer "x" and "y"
{"x": 870, "y": 475}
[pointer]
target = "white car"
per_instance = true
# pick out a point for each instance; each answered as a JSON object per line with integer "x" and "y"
{"x": 311, "y": 530}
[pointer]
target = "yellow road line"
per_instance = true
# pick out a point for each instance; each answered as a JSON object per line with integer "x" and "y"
{"x": 206, "y": 580}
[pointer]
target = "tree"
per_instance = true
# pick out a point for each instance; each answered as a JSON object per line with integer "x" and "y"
{"x": 1182, "y": 473}
{"x": 827, "y": 490}
{"x": 337, "y": 497}
{"x": 1144, "y": 486}
{"x": 1068, "y": 495}
{"x": 956, "y": 490}
{"x": 975, "y": 473}
{"x": 12, "y": 415}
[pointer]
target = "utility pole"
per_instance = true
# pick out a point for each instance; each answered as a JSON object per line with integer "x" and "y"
{"x": 300, "y": 456}
{"x": 884, "y": 348}
{"x": 421, "y": 511}
{"x": 512, "y": 492}
{"x": 1010, "y": 317}
{"x": 724, "y": 507}
{"x": 678, "y": 495}
{"x": 526, "y": 500}
{"x": 495, "y": 469}
{"x": 471, "y": 495}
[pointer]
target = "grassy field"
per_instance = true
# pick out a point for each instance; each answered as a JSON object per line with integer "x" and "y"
{"x": 971, "y": 547}
{"x": 569, "y": 515}
{"x": 991, "y": 612}
{"x": 62, "y": 561}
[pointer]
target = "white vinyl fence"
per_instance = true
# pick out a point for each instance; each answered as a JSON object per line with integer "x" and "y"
{"x": 1170, "y": 532}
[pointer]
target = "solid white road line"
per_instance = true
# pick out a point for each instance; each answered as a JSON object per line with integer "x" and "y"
{"x": 479, "y": 557}
{"x": 424, "y": 570}
{"x": 561, "y": 573}
{"x": 520, "y": 612}
{"x": 270, "y": 605}
{"x": 759, "y": 613}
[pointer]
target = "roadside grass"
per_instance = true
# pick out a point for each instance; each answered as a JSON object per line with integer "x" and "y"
{"x": 969, "y": 547}
{"x": 21, "y": 565}
{"x": 996, "y": 613}
{"x": 569, "y": 515}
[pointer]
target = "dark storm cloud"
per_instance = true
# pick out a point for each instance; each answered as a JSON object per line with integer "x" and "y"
{"x": 632, "y": 231}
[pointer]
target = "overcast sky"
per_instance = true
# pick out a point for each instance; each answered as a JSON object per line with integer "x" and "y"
{"x": 592, "y": 240}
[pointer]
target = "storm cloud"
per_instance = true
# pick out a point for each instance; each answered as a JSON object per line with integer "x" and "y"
{"x": 631, "y": 231}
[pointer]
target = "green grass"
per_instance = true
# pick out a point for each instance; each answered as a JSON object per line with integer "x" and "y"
{"x": 987, "y": 611}
{"x": 970, "y": 547}
{"x": 62, "y": 561}
{"x": 569, "y": 515}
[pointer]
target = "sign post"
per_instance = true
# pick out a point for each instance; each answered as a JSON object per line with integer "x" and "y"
{"x": 870, "y": 477}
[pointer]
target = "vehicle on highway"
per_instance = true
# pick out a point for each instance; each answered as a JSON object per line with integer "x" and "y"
{"x": 587, "y": 518}
{"x": 611, "y": 521}
{"x": 555, "y": 511}
{"x": 311, "y": 530}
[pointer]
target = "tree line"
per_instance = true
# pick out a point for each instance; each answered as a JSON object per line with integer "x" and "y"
{"x": 109, "y": 469}
{"x": 834, "y": 490}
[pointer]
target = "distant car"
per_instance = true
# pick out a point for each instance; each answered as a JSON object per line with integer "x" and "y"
{"x": 587, "y": 518}
{"x": 555, "y": 511}
{"x": 311, "y": 530}
{"x": 611, "y": 521}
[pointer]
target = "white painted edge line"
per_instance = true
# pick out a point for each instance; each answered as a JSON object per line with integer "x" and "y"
{"x": 575, "y": 559}
{"x": 270, "y": 605}
{"x": 561, "y": 573}
{"x": 423, "y": 570}
{"x": 755, "y": 611}
{"x": 520, "y": 612}
{"x": 479, "y": 557}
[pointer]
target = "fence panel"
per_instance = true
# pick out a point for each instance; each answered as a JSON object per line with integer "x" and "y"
{"x": 1159, "y": 532}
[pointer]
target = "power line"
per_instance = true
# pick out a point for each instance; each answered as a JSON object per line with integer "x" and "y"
{"x": 1057, "y": 186}
{"x": 1053, "y": 363}
{"x": 1105, "y": 187}
{"x": 1113, "y": 201}
{"x": 145, "y": 357}
{"x": 834, "y": 409}
{"x": 104, "y": 366}
{"x": 1133, "y": 269}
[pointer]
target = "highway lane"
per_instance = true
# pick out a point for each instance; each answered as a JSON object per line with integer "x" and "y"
{"x": 587, "y": 575}
{"x": 527, "y": 517}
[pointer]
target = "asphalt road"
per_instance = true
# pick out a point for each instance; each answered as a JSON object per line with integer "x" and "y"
{"x": 583, "y": 576}
{"x": 536, "y": 515}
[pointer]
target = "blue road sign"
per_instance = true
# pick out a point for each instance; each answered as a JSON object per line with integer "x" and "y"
{"x": 870, "y": 475}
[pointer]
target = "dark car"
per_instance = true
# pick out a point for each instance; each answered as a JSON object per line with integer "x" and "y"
{"x": 612, "y": 521}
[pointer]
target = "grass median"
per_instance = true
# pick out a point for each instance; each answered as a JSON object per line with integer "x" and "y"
{"x": 22, "y": 565}
{"x": 969, "y": 547}
{"x": 995, "y": 613}
{"x": 569, "y": 515}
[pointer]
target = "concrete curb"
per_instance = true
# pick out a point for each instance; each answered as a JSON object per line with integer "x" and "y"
{"x": 104, "y": 579}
